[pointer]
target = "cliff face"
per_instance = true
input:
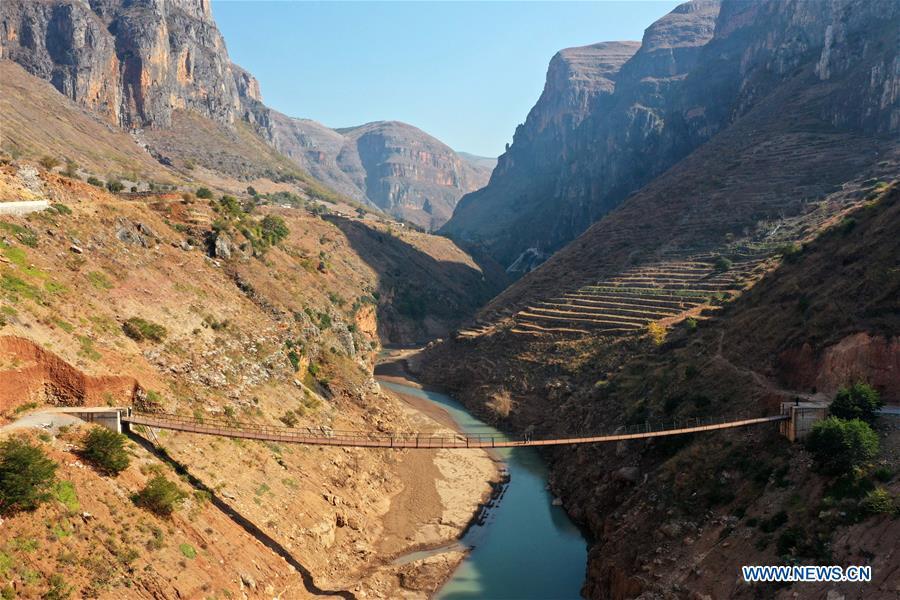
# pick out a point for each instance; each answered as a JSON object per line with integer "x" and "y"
{"x": 132, "y": 62}
{"x": 697, "y": 72}
{"x": 141, "y": 63}
{"x": 394, "y": 166}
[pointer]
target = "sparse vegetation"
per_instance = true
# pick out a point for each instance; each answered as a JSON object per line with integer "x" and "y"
{"x": 105, "y": 449}
{"x": 159, "y": 496}
{"x": 27, "y": 476}
{"x": 140, "y": 329}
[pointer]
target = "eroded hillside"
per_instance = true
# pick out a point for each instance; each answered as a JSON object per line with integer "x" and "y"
{"x": 229, "y": 309}
{"x": 679, "y": 517}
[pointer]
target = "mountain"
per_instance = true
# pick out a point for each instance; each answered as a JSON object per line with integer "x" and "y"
{"x": 592, "y": 137}
{"x": 154, "y": 67}
{"x": 745, "y": 257}
{"x": 391, "y": 165}
{"x": 132, "y": 62}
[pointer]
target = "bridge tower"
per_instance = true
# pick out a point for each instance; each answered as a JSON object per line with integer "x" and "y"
{"x": 803, "y": 415}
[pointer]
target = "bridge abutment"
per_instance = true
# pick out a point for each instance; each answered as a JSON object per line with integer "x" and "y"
{"x": 803, "y": 415}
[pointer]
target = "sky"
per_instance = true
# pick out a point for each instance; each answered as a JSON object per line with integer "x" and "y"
{"x": 466, "y": 72}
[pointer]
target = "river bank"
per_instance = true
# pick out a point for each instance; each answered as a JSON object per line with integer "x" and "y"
{"x": 442, "y": 493}
{"x": 525, "y": 546}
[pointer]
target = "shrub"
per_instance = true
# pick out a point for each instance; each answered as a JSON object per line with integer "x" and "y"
{"x": 115, "y": 186}
{"x": 27, "y": 476}
{"x": 139, "y": 329}
{"x": 188, "y": 551}
{"x": 859, "y": 401}
{"x": 252, "y": 190}
{"x": 59, "y": 589}
{"x": 49, "y": 162}
{"x": 657, "y": 333}
{"x": 722, "y": 264}
{"x": 71, "y": 170}
{"x": 838, "y": 445}
{"x": 204, "y": 193}
{"x": 159, "y": 496}
{"x": 94, "y": 181}
{"x": 878, "y": 502}
{"x": 106, "y": 450}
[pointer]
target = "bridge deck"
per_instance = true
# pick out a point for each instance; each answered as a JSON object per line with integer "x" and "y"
{"x": 417, "y": 440}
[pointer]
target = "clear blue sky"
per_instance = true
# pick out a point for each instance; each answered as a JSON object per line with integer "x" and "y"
{"x": 465, "y": 72}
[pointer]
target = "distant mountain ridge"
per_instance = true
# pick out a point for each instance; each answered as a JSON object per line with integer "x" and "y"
{"x": 392, "y": 165}
{"x": 154, "y": 64}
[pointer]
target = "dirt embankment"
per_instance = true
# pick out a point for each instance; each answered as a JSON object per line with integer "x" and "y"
{"x": 31, "y": 374}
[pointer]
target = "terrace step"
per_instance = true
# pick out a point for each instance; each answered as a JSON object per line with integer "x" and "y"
{"x": 563, "y": 319}
{"x": 555, "y": 312}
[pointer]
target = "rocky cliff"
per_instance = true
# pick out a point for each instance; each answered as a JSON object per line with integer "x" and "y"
{"x": 394, "y": 166}
{"x": 698, "y": 71}
{"x": 132, "y": 62}
{"x": 156, "y": 64}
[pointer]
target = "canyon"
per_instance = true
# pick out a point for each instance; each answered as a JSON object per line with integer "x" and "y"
{"x": 700, "y": 225}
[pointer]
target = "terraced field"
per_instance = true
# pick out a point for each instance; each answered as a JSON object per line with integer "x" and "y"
{"x": 664, "y": 292}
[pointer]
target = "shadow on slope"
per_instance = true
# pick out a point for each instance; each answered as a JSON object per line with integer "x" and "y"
{"x": 427, "y": 285}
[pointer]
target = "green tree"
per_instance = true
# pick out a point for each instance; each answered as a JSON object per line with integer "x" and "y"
{"x": 722, "y": 264}
{"x": 274, "y": 229}
{"x": 839, "y": 445}
{"x": 115, "y": 186}
{"x": 204, "y": 193}
{"x": 159, "y": 496}
{"x": 26, "y": 476}
{"x": 859, "y": 401}
{"x": 106, "y": 450}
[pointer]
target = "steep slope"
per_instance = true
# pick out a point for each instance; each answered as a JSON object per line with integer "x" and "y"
{"x": 278, "y": 332}
{"x": 601, "y": 103}
{"x": 132, "y": 62}
{"x": 396, "y": 167}
{"x": 698, "y": 74}
{"x": 790, "y": 149}
{"x": 36, "y": 121}
{"x": 680, "y": 517}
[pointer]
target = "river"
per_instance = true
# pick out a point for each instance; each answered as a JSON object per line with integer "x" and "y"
{"x": 527, "y": 549}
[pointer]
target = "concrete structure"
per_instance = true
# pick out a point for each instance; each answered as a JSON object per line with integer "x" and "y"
{"x": 802, "y": 417}
{"x": 106, "y": 416}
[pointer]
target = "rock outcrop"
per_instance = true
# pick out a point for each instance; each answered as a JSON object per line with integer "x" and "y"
{"x": 698, "y": 71}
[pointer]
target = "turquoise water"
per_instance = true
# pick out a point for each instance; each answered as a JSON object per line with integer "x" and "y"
{"x": 528, "y": 549}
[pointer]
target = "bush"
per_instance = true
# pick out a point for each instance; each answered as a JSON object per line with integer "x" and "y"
{"x": 27, "y": 476}
{"x": 139, "y": 329}
{"x": 159, "y": 496}
{"x": 722, "y": 264}
{"x": 71, "y": 170}
{"x": 878, "y": 502}
{"x": 859, "y": 401}
{"x": 106, "y": 450}
{"x": 94, "y": 181}
{"x": 49, "y": 162}
{"x": 838, "y": 445}
{"x": 115, "y": 186}
{"x": 204, "y": 193}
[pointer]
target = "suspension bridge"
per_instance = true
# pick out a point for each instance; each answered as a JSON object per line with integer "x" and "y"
{"x": 413, "y": 440}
